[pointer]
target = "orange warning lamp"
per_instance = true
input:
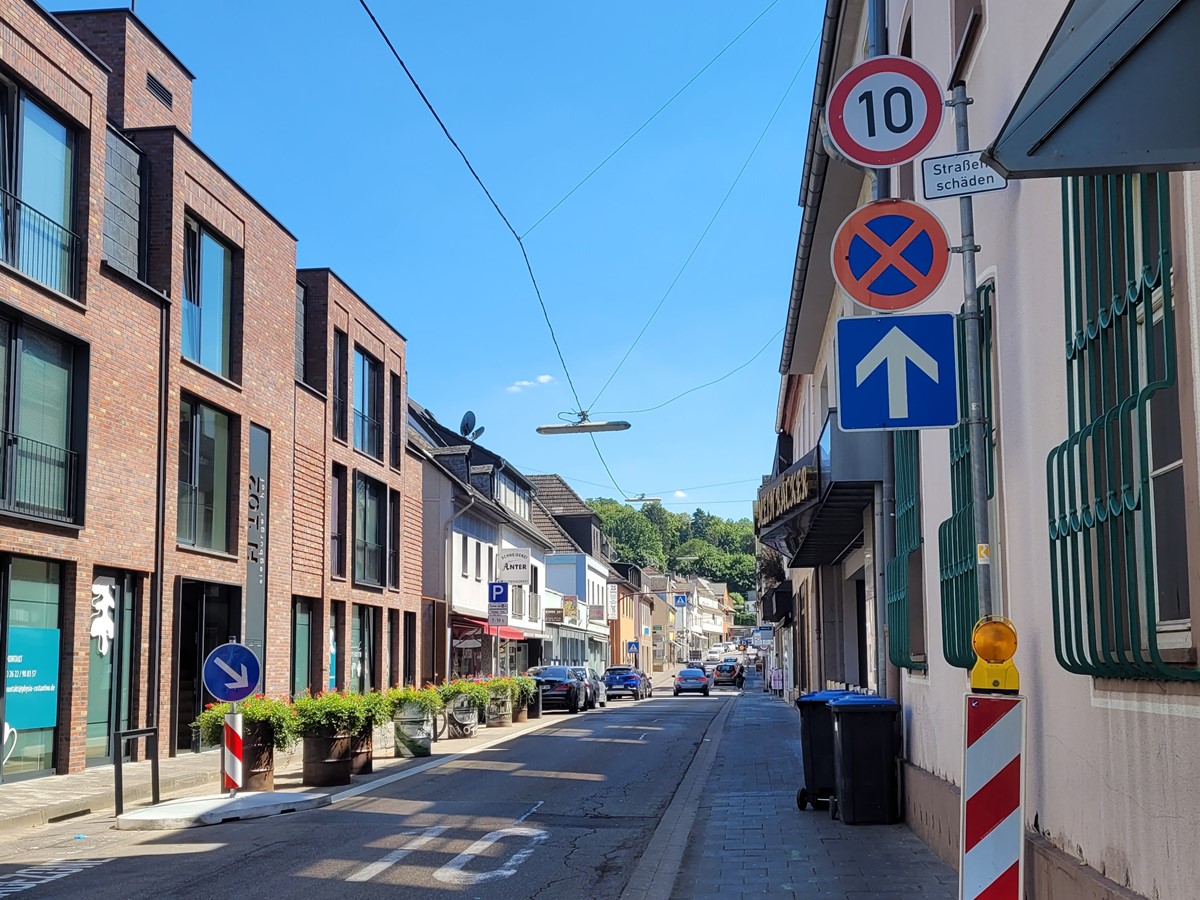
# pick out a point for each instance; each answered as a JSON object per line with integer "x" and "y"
{"x": 995, "y": 642}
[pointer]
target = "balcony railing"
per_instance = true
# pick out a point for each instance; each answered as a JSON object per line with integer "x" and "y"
{"x": 368, "y": 434}
{"x": 38, "y": 246}
{"x": 535, "y": 607}
{"x": 40, "y": 479}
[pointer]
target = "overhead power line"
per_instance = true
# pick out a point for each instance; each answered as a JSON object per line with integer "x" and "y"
{"x": 699, "y": 387}
{"x": 586, "y": 178}
{"x": 496, "y": 206}
{"x": 709, "y": 226}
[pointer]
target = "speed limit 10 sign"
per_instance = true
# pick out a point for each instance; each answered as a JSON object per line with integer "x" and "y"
{"x": 885, "y": 111}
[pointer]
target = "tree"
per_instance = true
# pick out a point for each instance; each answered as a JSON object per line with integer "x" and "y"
{"x": 634, "y": 539}
{"x": 673, "y": 528}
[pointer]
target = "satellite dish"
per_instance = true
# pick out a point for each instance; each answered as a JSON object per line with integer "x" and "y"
{"x": 476, "y": 433}
{"x": 468, "y": 422}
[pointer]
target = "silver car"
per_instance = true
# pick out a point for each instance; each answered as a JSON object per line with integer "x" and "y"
{"x": 693, "y": 680}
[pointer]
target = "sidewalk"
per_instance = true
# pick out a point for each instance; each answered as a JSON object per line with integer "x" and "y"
{"x": 749, "y": 839}
{"x": 41, "y": 801}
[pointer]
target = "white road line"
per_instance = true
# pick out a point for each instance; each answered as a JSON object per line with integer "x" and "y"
{"x": 366, "y": 873}
{"x": 452, "y": 872}
{"x": 642, "y": 737}
{"x": 536, "y": 806}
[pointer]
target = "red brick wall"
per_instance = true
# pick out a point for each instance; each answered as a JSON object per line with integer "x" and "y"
{"x": 310, "y": 487}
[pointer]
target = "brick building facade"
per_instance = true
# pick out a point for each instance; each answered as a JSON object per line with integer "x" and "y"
{"x": 188, "y": 444}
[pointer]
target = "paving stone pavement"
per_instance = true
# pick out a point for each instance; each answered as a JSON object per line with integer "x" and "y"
{"x": 750, "y": 840}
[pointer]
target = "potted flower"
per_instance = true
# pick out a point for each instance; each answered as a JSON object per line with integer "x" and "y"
{"x": 463, "y": 699}
{"x": 501, "y": 693}
{"x": 268, "y": 725}
{"x": 370, "y": 710}
{"x": 326, "y": 722}
{"x": 412, "y": 712}
{"x": 526, "y": 689}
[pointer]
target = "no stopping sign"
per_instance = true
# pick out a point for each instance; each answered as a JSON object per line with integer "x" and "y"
{"x": 885, "y": 111}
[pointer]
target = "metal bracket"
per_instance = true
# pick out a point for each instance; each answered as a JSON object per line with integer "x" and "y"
{"x": 963, "y": 248}
{"x": 964, "y": 101}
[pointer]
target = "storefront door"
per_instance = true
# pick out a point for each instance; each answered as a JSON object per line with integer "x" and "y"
{"x": 112, "y": 660}
{"x": 209, "y": 615}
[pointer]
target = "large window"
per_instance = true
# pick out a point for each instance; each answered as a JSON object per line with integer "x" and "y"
{"x": 1118, "y": 489}
{"x": 38, "y": 465}
{"x": 337, "y": 522}
{"x": 370, "y": 537}
{"x": 340, "y": 385}
{"x": 205, "y": 475}
{"x": 512, "y": 496}
{"x": 302, "y": 622}
{"x": 368, "y": 404}
{"x": 37, "y": 178}
{"x": 364, "y": 635}
{"x": 394, "y": 511}
{"x": 207, "y": 300}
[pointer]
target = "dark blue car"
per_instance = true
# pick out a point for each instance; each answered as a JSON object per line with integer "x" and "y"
{"x": 626, "y": 681}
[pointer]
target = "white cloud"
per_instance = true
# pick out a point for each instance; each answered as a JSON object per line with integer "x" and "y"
{"x": 517, "y": 386}
{"x": 681, "y": 494}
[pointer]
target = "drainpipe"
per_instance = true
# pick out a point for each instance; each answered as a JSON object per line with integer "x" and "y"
{"x": 154, "y": 674}
{"x": 450, "y": 553}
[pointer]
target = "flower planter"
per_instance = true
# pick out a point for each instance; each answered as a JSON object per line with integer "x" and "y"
{"x": 258, "y": 754}
{"x": 521, "y": 712}
{"x": 326, "y": 760}
{"x": 362, "y": 749}
{"x": 462, "y": 717}
{"x": 535, "y": 704}
{"x": 414, "y": 731}
{"x": 499, "y": 712}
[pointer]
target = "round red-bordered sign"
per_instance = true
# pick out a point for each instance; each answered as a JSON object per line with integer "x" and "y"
{"x": 890, "y": 255}
{"x": 885, "y": 111}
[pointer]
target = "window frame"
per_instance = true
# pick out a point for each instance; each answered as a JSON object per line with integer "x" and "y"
{"x": 193, "y": 271}
{"x": 394, "y": 525}
{"x": 399, "y": 416}
{"x": 340, "y": 385}
{"x": 232, "y": 461}
{"x": 366, "y": 486}
{"x": 368, "y": 379}
{"x": 338, "y": 486}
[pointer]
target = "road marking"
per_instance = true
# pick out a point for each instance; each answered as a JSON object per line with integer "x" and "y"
{"x": 452, "y": 872}
{"x": 34, "y": 876}
{"x": 642, "y": 737}
{"x": 536, "y": 806}
{"x": 366, "y": 873}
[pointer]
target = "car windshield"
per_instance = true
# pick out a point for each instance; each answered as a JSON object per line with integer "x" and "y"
{"x": 691, "y": 673}
{"x": 548, "y": 671}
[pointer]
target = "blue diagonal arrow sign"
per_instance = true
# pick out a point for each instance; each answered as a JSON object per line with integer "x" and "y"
{"x": 897, "y": 372}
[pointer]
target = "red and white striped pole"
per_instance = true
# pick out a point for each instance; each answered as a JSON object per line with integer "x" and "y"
{"x": 233, "y": 751}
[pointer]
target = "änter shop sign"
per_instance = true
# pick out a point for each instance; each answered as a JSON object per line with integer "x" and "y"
{"x": 514, "y": 566}
{"x": 789, "y": 491}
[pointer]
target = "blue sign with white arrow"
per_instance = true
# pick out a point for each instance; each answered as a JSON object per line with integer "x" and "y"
{"x": 897, "y": 372}
{"x": 231, "y": 672}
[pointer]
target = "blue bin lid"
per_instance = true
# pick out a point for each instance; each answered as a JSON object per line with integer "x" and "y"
{"x": 822, "y": 696}
{"x": 863, "y": 702}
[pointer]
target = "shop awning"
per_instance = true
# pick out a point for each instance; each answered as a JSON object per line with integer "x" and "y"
{"x": 1105, "y": 96}
{"x": 778, "y": 604}
{"x": 507, "y": 633}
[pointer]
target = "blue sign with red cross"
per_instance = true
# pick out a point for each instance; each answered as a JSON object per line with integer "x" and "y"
{"x": 890, "y": 255}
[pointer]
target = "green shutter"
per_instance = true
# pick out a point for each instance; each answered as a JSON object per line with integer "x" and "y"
{"x": 956, "y": 536}
{"x": 1117, "y": 261}
{"x": 907, "y": 467}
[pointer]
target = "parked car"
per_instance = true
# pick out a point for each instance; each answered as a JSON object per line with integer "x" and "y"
{"x": 693, "y": 680}
{"x": 595, "y": 686}
{"x": 626, "y": 681}
{"x": 561, "y": 688}
{"x": 725, "y": 673}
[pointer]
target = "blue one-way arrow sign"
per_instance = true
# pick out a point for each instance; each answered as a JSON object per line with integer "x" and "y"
{"x": 897, "y": 372}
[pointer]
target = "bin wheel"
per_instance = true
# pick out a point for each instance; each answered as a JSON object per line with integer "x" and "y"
{"x": 833, "y": 807}
{"x": 802, "y": 799}
{"x": 820, "y": 804}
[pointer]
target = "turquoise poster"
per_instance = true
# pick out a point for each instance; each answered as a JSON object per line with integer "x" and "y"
{"x": 31, "y": 678}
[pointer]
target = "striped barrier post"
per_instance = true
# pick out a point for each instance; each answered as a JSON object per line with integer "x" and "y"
{"x": 992, "y": 811}
{"x": 233, "y": 752}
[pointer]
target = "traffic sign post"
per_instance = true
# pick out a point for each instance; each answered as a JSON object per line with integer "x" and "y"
{"x": 884, "y": 111}
{"x": 231, "y": 672}
{"x": 631, "y": 648}
{"x": 890, "y": 255}
{"x": 897, "y": 372}
{"x": 497, "y": 615}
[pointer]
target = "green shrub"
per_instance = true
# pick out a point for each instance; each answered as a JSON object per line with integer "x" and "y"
{"x": 428, "y": 699}
{"x": 331, "y": 712}
{"x": 279, "y": 715}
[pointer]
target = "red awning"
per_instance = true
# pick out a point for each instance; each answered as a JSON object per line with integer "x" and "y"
{"x": 509, "y": 634}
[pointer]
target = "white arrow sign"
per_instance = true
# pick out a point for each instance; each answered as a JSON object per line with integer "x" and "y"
{"x": 896, "y": 350}
{"x": 239, "y": 680}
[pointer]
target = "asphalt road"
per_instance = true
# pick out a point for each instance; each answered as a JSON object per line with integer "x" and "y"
{"x": 563, "y": 811}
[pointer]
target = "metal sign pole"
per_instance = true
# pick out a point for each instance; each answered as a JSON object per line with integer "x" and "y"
{"x": 972, "y": 319}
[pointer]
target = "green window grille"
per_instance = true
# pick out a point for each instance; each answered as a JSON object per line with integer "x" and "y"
{"x": 1118, "y": 542}
{"x": 956, "y": 536}
{"x": 907, "y": 468}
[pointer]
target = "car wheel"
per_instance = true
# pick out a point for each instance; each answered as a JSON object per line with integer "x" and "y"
{"x": 589, "y": 703}
{"x": 677, "y": 693}
{"x": 573, "y": 704}
{"x": 706, "y": 692}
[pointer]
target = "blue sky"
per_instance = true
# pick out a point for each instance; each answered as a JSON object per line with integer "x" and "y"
{"x": 302, "y": 103}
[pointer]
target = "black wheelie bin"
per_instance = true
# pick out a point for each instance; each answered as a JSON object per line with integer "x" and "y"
{"x": 816, "y": 745}
{"x": 866, "y": 740}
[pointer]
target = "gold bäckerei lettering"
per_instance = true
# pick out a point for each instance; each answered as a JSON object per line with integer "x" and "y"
{"x": 793, "y": 489}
